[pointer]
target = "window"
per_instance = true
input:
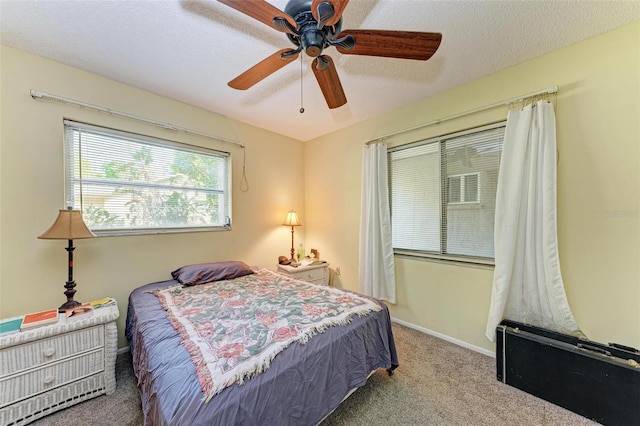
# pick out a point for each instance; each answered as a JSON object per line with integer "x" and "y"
{"x": 126, "y": 183}
{"x": 442, "y": 193}
{"x": 464, "y": 188}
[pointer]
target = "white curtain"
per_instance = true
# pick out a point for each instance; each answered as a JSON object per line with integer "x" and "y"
{"x": 527, "y": 283}
{"x": 377, "y": 274}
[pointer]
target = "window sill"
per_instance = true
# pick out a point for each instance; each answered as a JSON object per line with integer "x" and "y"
{"x": 480, "y": 263}
{"x": 151, "y": 231}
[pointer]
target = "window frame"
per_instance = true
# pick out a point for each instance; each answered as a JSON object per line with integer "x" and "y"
{"x": 71, "y": 180}
{"x": 463, "y": 187}
{"x": 441, "y": 256}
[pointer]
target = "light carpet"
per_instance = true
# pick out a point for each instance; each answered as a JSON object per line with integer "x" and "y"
{"x": 437, "y": 383}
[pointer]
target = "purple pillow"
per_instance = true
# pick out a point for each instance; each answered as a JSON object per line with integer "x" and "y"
{"x": 207, "y": 272}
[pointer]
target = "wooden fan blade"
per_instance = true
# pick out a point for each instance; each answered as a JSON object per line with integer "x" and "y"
{"x": 329, "y": 81}
{"x": 392, "y": 44}
{"x": 262, "y": 69}
{"x": 261, "y": 11}
{"x": 338, "y": 8}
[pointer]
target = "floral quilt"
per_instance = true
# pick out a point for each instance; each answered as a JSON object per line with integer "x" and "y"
{"x": 233, "y": 329}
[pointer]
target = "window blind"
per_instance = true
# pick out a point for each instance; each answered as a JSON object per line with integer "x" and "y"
{"x": 442, "y": 194}
{"x": 130, "y": 183}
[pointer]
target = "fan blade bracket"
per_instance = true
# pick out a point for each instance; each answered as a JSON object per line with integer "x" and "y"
{"x": 346, "y": 43}
{"x": 283, "y": 25}
{"x": 392, "y": 44}
{"x": 338, "y": 7}
{"x": 329, "y": 82}
{"x": 324, "y": 12}
{"x": 321, "y": 63}
{"x": 290, "y": 54}
{"x": 262, "y": 11}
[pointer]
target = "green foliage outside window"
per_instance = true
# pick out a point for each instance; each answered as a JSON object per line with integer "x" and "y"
{"x": 124, "y": 183}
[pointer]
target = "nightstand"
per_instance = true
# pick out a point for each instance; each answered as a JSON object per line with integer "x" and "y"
{"x": 316, "y": 274}
{"x": 55, "y": 366}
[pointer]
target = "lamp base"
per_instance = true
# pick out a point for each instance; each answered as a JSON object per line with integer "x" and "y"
{"x": 293, "y": 250}
{"x": 68, "y": 305}
{"x": 70, "y": 286}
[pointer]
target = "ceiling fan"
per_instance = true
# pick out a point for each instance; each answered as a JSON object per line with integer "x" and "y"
{"x": 314, "y": 25}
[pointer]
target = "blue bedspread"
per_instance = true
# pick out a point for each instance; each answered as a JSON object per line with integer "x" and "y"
{"x": 303, "y": 385}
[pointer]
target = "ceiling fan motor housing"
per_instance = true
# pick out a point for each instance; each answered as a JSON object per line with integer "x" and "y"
{"x": 312, "y": 39}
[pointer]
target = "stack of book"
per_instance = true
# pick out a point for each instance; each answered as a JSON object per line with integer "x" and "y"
{"x": 50, "y": 316}
{"x": 101, "y": 303}
{"x": 79, "y": 312}
{"x": 38, "y": 319}
{"x": 10, "y": 326}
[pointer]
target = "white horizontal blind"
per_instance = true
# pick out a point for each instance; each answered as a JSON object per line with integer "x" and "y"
{"x": 442, "y": 193}
{"x": 128, "y": 183}
{"x": 414, "y": 177}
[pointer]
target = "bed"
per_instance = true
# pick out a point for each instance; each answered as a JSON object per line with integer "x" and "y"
{"x": 319, "y": 345}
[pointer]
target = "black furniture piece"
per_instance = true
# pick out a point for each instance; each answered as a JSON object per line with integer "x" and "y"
{"x": 598, "y": 381}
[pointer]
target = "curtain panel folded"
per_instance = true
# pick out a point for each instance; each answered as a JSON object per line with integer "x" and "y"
{"x": 527, "y": 282}
{"x": 376, "y": 266}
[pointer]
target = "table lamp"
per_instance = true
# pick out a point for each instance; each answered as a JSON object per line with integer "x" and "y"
{"x": 292, "y": 220}
{"x": 68, "y": 226}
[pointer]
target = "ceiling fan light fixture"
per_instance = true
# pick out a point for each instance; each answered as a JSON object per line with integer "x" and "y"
{"x": 310, "y": 33}
{"x": 313, "y": 42}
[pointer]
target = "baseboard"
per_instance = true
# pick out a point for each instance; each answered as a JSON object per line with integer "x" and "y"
{"x": 450, "y": 339}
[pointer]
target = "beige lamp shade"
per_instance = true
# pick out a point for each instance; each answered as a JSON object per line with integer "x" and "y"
{"x": 292, "y": 219}
{"x": 68, "y": 226}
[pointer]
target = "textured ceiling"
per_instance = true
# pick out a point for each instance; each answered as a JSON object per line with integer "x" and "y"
{"x": 189, "y": 50}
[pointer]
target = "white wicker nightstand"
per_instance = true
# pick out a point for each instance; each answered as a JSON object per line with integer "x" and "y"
{"x": 316, "y": 274}
{"x": 53, "y": 367}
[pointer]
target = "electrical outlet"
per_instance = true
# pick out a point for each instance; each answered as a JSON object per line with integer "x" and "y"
{"x": 337, "y": 270}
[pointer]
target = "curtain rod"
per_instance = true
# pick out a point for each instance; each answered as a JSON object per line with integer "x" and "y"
{"x": 35, "y": 94}
{"x": 549, "y": 90}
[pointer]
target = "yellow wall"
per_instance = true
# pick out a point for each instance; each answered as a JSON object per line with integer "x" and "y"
{"x": 598, "y": 191}
{"x": 598, "y": 138}
{"x": 33, "y": 272}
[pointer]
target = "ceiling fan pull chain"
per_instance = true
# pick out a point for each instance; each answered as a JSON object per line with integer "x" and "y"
{"x": 301, "y": 94}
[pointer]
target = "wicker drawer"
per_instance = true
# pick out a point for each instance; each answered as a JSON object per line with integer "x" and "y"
{"x": 56, "y": 366}
{"x": 50, "y": 376}
{"x": 29, "y": 355}
{"x": 313, "y": 275}
{"x": 316, "y": 274}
